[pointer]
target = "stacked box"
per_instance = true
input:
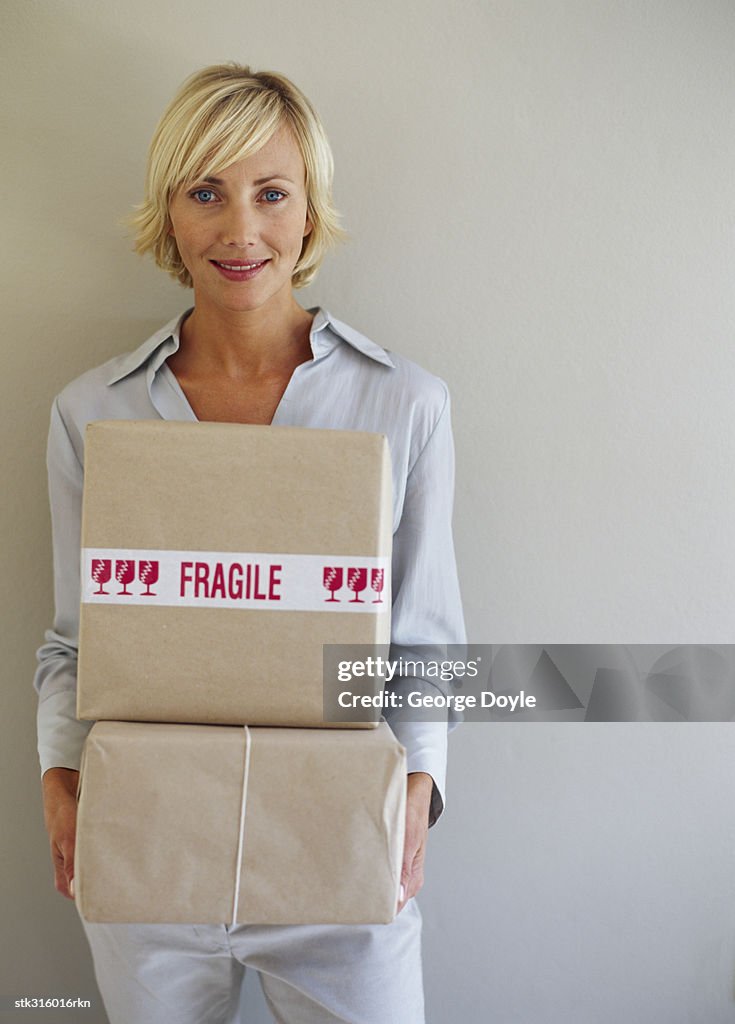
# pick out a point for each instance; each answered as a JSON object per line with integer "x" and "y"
{"x": 231, "y": 554}
{"x": 216, "y": 824}
{"x": 217, "y": 560}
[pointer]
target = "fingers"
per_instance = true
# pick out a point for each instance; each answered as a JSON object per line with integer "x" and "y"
{"x": 409, "y": 890}
{"x": 60, "y": 813}
{"x": 61, "y": 883}
{"x": 63, "y": 861}
{"x": 412, "y": 879}
{"x": 64, "y": 884}
{"x": 401, "y": 899}
{"x": 414, "y": 843}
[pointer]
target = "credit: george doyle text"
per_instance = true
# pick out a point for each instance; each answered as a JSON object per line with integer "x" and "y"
{"x": 441, "y": 684}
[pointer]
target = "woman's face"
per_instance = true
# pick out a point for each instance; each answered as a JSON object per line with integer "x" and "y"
{"x": 240, "y": 231}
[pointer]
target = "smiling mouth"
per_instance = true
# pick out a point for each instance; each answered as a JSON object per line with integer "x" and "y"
{"x": 238, "y": 265}
{"x": 239, "y": 270}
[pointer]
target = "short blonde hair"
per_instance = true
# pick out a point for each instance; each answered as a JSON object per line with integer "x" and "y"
{"x": 221, "y": 114}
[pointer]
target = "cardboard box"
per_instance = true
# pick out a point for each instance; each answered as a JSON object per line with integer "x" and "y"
{"x": 218, "y": 559}
{"x": 216, "y": 824}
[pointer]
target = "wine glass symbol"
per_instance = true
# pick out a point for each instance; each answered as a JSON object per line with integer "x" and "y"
{"x": 124, "y": 573}
{"x": 332, "y": 581}
{"x": 356, "y": 581}
{"x": 101, "y": 573}
{"x": 148, "y": 574}
{"x": 377, "y": 581}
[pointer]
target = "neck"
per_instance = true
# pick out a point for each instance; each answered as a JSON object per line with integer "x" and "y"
{"x": 249, "y": 343}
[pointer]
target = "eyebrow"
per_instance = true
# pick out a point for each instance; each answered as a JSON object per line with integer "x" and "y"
{"x": 260, "y": 181}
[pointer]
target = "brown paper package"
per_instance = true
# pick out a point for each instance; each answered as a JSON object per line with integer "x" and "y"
{"x": 158, "y": 829}
{"x": 226, "y": 487}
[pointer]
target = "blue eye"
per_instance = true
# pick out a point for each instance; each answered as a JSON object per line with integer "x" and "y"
{"x": 201, "y": 194}
{"x": 273, "y": 195}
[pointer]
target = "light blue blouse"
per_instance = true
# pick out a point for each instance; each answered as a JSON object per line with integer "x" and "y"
{"x": 350, "y": 384}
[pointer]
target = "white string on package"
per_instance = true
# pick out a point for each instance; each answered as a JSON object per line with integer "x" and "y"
{"x": 241, "y": 836}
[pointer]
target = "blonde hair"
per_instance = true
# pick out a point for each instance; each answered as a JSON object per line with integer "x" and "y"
{"x": 221, "y": 114}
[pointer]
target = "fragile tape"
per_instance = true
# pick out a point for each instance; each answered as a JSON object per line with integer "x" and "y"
{"x": 226, "y": 579}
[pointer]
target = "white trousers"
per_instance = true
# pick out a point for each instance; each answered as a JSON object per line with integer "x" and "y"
{"x": 320, "y": 974}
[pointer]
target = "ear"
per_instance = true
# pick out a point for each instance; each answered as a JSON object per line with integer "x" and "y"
{"x": 308, "y": 227}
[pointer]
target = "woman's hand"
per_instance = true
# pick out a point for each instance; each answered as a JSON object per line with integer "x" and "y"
{"x": 418, "y": 801}
{"x": 60, "y": 814}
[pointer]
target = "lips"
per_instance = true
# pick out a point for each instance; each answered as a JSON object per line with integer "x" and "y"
{"x": 239, "y": 270}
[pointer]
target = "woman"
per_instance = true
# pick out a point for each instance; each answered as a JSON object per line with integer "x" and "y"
{"x": 239, "y": 208}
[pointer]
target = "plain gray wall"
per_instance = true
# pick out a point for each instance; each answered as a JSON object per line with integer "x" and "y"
{"x": 540, "y": 199}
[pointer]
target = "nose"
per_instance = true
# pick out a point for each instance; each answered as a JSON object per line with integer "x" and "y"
{"x": 239, "y": 224}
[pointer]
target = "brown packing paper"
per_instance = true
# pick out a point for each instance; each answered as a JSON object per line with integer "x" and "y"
{"x": 222, "y": 487}
{"x": 158, "y": 829}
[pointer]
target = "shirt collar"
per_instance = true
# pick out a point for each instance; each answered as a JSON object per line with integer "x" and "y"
{"x": 326, "y": 333}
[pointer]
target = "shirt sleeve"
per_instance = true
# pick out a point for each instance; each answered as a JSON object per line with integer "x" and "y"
{"x": 427, "y": 606}
{"x": 60, "y": 733}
